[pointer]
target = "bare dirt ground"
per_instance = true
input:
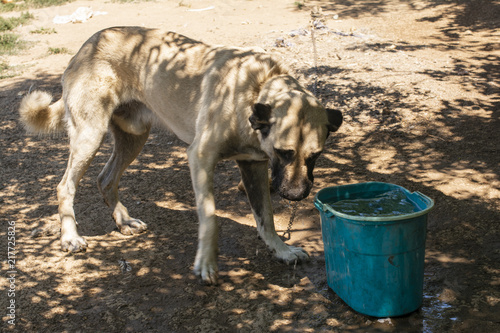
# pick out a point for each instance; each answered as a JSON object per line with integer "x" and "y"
{"x": 419, "y": 84}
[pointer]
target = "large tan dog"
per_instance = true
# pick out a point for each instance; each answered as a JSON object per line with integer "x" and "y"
{"x": 226, "y": 103}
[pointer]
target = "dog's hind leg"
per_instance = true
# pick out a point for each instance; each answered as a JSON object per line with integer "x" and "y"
{"x": 126, "y": 148}
{"x": 85, "y": 140}
{"x": 256, "y": 180}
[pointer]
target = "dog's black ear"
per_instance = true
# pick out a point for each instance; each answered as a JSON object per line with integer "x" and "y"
{"x": 260, "y": 118}
{"x": 334, "y": 119}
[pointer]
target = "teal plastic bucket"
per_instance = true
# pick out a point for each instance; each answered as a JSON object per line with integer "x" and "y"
{"x": 375, "y": 264}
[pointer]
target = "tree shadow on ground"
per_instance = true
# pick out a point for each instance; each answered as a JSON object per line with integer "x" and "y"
{"x": 90, "y": 291}
{"x": 477, "y": 14}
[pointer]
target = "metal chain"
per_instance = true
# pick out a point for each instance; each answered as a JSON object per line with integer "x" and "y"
{"x": 315, "y": 85}
{"x": 288, "y": 233}
{"x": 313, "y": 39}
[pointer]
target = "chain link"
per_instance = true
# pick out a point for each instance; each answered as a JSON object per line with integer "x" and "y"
{"x": 288, "y": 233}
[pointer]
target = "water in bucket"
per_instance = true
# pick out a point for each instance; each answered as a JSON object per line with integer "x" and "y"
{"x": 389, "y": 203}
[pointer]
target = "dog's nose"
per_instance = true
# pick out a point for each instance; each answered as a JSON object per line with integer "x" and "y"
{"x": 296, "y": 193}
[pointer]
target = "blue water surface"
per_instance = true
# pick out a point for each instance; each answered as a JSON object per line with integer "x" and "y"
{"x": 391, "y": 203}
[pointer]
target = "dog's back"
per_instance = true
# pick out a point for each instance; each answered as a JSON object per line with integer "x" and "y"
{"x": 172, "y": 75}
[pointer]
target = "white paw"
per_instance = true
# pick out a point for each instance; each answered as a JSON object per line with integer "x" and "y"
{"x": 74, "y": 243}
{"x": 292, "y": 255}
{"x": 132, "y": 227}
{"x": 205, "y": 267}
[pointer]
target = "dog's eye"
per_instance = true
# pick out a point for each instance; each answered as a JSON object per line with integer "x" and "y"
{"x": 285, "y": 154}
{"x": 313, "y": 157}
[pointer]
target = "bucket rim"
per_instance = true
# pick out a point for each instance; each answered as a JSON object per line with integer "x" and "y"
{"x": 326, "y": 207}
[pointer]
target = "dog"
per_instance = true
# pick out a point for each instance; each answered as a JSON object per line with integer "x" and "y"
{"x": 225, "y": 102}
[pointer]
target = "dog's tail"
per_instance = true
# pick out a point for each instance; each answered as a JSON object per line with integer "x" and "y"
{"x": 39, "y": 116}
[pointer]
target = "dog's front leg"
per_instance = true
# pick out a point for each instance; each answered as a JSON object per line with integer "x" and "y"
{"x": 256, "y": 180}
{"x": 202, "y": 170}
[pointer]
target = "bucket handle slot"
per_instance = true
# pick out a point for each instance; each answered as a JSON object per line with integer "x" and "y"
{"x": 323, "y": 208}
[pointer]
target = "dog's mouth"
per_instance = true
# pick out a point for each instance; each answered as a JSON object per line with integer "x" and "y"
{"x": 291, "y": 188}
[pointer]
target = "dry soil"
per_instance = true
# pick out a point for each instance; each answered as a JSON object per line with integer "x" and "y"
{"x": 419, "y": 84}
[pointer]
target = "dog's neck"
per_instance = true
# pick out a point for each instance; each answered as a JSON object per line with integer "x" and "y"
{"x": 276, "y": 86}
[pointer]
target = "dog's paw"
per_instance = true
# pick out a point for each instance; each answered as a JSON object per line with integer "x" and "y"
{"x": 74, "y": 244}
{"x": 292, "y": 255}
{"x": 206, "y": 269}
{"x": 132, "y": 227}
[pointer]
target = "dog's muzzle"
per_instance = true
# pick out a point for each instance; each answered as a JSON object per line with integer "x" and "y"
{"x": 291, "y": 191}
{"x": 292, "y": 181}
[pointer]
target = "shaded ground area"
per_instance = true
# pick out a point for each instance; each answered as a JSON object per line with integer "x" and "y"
{"x": 419, "y": 84}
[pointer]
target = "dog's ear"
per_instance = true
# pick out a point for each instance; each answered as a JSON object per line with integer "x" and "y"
{"x": 334, "y": 119}
{"x": 260, "y": 118}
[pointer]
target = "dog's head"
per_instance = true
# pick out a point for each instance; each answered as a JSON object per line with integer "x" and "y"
{"x": 293, "y": 129}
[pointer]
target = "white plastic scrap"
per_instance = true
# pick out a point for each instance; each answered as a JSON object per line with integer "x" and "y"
{"x": 124, "y": 265}
{"x": 298, "y": 32}
{"x": 385, "y": 321}
{"x": 201, "y": 9}
{"x": 81, "y": 15}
